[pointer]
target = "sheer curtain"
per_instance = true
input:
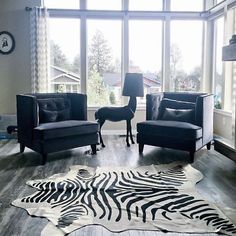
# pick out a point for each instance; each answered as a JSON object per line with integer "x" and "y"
{"x": 39, "y": 50}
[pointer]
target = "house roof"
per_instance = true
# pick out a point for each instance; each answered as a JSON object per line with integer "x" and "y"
{"x": 114, "y": 80}
{"x": 59, "y": 75}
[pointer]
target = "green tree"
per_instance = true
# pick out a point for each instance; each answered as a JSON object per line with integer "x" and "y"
{"x": 195, "y": 78}
{"x": 176, "y": 74}
{"x": 175, "y": 59}
{"x": 112, "y": 98}
{"x": 100, "y": 57}
{"x": 58, "y": 58}
{"x": 179, "y": 81}
{"x": 76, "y": 64}
{"x": 99, "y": 62}
{"x": 97, "y": 92}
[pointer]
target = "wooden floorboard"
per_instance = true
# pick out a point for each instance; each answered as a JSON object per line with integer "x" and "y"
{"x": 218, "y": 185}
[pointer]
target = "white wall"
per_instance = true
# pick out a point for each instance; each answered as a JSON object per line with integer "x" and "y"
{"x": 15, "y": 67}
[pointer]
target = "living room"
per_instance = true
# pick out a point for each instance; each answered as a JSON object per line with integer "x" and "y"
{"x": 94, "y": 48}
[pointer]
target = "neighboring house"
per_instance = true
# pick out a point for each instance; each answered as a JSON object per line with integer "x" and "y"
{"x": 64, "y": 81}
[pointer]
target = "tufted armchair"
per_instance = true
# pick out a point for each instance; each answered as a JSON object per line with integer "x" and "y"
{"x": 177, "y": 120}
{"x": 51, "y": 122}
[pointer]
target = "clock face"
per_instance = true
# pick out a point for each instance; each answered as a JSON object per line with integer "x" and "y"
{"x": 7, "y": 42}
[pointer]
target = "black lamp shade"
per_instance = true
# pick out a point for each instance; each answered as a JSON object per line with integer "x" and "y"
{"x": 133, "y": 85}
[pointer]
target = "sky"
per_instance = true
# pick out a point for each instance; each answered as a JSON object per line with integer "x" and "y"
{"x": 145, "y": 37}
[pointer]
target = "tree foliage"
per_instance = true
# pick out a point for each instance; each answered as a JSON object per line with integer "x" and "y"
{"x": 99, "y": 59}
{"x": 76, "y": 64}
{"x": 58, "y": 58}
{"x": 97, "y": 92}
{"x": 175, "y": 59}
{"x": 181, "y": 81}
{"x": 99, "y": 62}
{"x": 112, "y": 98}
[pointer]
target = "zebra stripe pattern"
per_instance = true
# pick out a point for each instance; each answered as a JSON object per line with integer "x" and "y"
{"x": 124, "y": 196}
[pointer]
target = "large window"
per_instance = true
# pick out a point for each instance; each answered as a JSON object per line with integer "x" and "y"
{"x": 113, "y": 43}
{"x": 104, "y": 62}
{"x": 218, "y": 64}
{"x": 65, "y": 55}
{"x": 186, "y": 55}
{"x": 145, "y": 53}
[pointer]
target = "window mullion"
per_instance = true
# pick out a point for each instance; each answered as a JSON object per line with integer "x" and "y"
{"x": 166, "y": 49}
{"x": 125, "y": 45}
{"x": 83, "y": 50}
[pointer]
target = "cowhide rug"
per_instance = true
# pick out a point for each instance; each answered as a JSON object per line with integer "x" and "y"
{"x": 156, "y": 197}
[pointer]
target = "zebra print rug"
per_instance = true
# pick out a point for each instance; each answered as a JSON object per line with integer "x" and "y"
{"x": 156, "y": 197}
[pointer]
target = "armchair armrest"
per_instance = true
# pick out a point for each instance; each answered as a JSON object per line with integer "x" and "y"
{"x": 153, "y": 102}
{"x": 27, "y": 117}
{"x": 204, "y": 116}
{"x": 78, "y": 106}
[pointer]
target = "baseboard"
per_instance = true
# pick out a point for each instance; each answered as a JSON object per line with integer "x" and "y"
{"x": 225, "y": 148}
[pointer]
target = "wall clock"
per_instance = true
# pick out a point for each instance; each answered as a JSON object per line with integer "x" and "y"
{"x": 7, "y": 42}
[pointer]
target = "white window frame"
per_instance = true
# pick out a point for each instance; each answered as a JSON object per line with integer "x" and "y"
{"x": 125, "y": 15}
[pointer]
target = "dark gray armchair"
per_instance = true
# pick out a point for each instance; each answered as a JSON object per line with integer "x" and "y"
{"x": 52, "y": 122}
{"x": 181, "y": 121}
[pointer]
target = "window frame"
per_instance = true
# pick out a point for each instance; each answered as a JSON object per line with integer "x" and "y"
{"x": 125, "y": 15}
{"x": 215, "y": 61}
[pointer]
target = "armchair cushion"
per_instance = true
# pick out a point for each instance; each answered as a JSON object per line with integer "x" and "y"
{"x": 53, "y": 109}
{"x": 174, "y": 104}
{"x": 173, "y": 129}
{"x": 184, "y": 115}
{"x": 63, "y": 129}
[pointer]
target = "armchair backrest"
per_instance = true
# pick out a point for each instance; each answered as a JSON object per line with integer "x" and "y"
{"x": 27, "y": 117}
{"x": 183, "y": 96}
{"x": 201, "y": 102}
{"x": 59, "y": 106}
{"x": 78, "y": 103}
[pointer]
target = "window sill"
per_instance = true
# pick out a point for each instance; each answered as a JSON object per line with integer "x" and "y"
{"x": 223, "y": 112}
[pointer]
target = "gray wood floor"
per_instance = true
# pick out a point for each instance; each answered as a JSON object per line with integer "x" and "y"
{"x": 218, "y": 185}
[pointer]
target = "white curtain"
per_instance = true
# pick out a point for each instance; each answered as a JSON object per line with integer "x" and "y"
{"x": 40, "y": 58}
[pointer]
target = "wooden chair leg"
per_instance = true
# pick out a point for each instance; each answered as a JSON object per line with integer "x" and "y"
{"x": 44, "y": 158}
{"x": 140, "y": 147}
{"x": 209, "y": 146}
{"x": 191, "y": 157}
{"x": 22, "y": 148}
{"x": 94, "y": 149}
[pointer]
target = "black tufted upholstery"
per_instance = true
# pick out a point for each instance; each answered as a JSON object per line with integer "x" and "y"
{"x": 51, "y": 122}
{"x": 53, "y": 109}
{"x": 194, "y": 131}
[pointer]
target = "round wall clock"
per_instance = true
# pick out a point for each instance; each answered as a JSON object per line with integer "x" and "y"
{"x": 7, "y": 42}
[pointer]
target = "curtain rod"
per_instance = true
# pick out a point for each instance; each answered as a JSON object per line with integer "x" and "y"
{"x": 31, "y": 8}
{"x": 28, "y": 8}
